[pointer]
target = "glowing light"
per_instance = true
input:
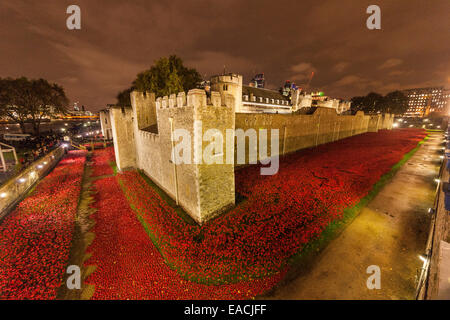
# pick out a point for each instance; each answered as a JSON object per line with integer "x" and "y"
{"x": 3, "y": 195}
{"x": 437, "y": 180}
{"x": 395, "y": 125}
{"x": 21, "y": 180}
{"x": 40, "y": 166}
{"x": 422, "y": 258}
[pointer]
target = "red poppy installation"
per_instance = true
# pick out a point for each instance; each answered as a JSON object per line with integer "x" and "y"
{"x": 102, "y": 162}
{"x": 281, "y": 214}
{"x": 129, "y": 266}
{"x": 144, "y": 250}
{"x": 35, "y": 238}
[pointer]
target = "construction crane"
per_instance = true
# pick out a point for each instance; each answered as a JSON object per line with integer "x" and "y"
{"x": 309, "y": 80}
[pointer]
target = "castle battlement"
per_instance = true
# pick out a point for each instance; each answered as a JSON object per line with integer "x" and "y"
{"x": 227, "y": 78}
{"x": 196, "y": 98}
{"x": 142, "y": 97}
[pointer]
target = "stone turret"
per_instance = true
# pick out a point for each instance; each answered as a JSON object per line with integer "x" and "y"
{"x": 145, "y": 137}
{"x": 229, "y": 84}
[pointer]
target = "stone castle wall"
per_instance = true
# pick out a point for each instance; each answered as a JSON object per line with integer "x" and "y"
{"x": 298, "y": 131}
{"x": 143, "y": 139}
{"x": 123, "y": 135}
{"x": 203, "y": 190}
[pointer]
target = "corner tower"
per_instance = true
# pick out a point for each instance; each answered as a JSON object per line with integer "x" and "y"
{"x": 229, "y": 84}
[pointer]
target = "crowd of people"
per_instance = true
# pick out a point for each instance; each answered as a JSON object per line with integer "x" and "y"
{"x": 38, "y": 147}
{"x": 31, "y": 149}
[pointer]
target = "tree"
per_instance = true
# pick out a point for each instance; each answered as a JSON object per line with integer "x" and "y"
{"x": 357, "y": 104}
{"x": 12, "y": 101}
{"x": 123, "y": 98}
{"x": 372, "y": 103}
{"x": 165, "y": 77}
{"x": 23, "y": 100}
{"x": 395, "y": 102}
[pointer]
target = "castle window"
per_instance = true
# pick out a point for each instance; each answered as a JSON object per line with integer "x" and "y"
{"x": 267, "y": 100}
{"x": 225, "y": 87}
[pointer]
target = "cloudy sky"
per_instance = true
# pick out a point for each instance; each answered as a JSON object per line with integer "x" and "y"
{"x": 285, "y": 39}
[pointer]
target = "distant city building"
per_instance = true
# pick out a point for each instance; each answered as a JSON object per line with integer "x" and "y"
{"x": 446, "y": 95}
{"x": 423, "y": 101}
{"x": 258, "y": 81}
{"x": 288, "y": 99}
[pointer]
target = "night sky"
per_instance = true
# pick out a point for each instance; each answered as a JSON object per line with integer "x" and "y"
{"x": 283, "y": 39}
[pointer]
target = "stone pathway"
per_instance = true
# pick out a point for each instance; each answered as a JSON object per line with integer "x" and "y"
{"x": 390, "y": 232}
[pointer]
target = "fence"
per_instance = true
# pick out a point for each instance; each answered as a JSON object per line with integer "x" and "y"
{"x": 13, "y": 190}
{"x": 427, "y": 287}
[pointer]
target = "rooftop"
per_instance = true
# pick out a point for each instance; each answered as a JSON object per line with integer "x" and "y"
{"x": 264, "y": 93}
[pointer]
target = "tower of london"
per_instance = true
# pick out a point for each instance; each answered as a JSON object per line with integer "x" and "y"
{"x": 144, "y": 135}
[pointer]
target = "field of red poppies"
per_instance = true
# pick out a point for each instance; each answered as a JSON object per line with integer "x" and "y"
{"x": 35, "y": 238}
{"x": 282, "y": 212}
{"x": 102, "y": 162}
{"x": 144, "y": 250}
{"x": 129, "y": 266}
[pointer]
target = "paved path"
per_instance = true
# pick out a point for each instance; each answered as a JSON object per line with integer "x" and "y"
{"x": 390, "y": 232}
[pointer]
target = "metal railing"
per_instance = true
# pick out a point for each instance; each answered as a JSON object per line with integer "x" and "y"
{"x": 423, "y": 280}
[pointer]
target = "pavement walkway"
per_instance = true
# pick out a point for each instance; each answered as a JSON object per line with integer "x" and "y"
{"x": 390, "y": 233}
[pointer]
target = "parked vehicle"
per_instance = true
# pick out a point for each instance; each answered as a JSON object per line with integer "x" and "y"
{"x": 16, "y": 136}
